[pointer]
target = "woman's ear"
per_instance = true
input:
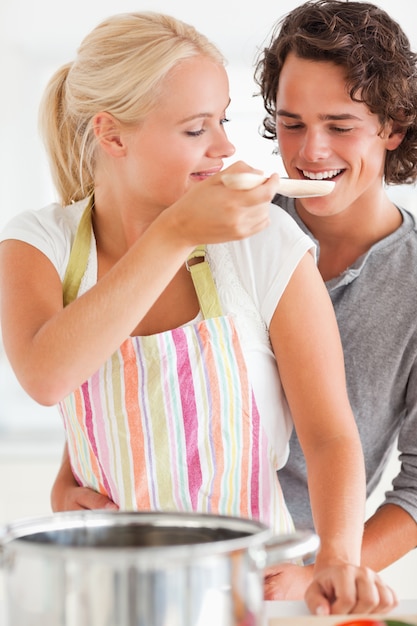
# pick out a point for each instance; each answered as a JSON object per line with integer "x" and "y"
{"x": 108, "y": 132}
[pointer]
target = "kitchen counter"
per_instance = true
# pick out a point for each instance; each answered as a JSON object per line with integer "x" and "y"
{"x": 293, "y": 613}
{"x": 297, "y": 614}
{"x": 337, "y": 620}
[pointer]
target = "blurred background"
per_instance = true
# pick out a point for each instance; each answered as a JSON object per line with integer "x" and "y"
{"x": 36, "y": 38}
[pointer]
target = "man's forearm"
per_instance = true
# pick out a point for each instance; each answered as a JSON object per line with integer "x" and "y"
{"x": 389, "y": 534}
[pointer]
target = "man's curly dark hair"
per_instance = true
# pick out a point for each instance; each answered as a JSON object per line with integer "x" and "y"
{"x": 380, "y": 67}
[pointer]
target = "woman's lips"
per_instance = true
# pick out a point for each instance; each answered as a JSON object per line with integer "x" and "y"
{"x": 203, "y": 175}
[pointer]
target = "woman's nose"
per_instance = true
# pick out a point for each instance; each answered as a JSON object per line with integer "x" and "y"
{"x": 222, "y": 147}
{"x": 230, "y": 149}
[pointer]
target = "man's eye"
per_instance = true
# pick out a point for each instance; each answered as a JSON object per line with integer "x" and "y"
{"x": 224, "y": 120}
{"x": 342, "y": 130}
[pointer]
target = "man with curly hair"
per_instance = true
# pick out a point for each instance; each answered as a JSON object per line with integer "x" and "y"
{"x": 339, "y": 85}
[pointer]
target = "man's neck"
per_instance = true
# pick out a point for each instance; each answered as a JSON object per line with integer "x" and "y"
{"x": 346, "y": 236}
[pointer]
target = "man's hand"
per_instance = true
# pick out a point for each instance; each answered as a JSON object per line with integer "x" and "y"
{"x": 345, "y": 589}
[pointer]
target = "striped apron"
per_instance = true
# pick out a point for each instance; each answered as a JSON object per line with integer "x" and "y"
{"x": 169, "y": 422}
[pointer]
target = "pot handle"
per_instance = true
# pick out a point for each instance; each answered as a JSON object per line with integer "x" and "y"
{"x": 287, "y": 547}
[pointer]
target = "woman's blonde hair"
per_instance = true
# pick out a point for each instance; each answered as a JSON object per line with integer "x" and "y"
{"x": 118, "y": 68}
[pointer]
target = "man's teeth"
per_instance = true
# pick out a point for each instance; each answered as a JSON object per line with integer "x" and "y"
{"x": 321, "y": 175}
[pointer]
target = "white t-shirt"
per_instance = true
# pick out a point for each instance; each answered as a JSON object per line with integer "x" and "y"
{"x": 250, "y": 275}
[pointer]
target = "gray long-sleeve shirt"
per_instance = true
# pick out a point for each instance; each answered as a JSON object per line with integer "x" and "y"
{"x": 375, "y": 301}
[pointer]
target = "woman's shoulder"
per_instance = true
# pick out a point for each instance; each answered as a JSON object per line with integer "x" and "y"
{"x": 51, "y": 216}
{"x": 281, "y": 239}
{"x": 283, "y": 219}
{"x": 265, "y": 262}
{"x": 274, "y": 247}
{"x": 50, "y": 229}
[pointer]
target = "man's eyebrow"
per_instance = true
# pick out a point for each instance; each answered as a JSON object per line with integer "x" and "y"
{"x": 324, "y": 117}
{"x": 285, "y": 113}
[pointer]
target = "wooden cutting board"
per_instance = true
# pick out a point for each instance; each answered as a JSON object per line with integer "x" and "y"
{"x": 335, "y": 620}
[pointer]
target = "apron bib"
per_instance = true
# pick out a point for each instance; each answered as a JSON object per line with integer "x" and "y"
{"x": 170, "y": 422}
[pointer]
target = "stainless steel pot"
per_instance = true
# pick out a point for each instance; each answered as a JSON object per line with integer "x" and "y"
{"x": 99, "y": 568}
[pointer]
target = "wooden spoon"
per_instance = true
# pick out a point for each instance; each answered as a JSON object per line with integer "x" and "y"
{"x": 292, "y": 187}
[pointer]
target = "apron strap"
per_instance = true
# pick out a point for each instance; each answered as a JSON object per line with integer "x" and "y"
{"x": 200, "y": 271}
{"x": 79, "y": 256}
{"x": 204, "y": 284}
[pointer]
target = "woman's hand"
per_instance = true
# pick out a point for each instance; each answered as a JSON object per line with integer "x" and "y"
{"x": 68, "y": 495}
{"x": 287, "y": 581}
{"x": 76, "y": 498}
{"x": 212, "y": 212}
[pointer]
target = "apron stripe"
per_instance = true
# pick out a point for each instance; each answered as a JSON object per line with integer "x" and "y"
{"x": 100, "y": 436}
{"x": 235, "y": 423}
{"x": 136, "y": 448}
{"x": 178, "y": 474}
{"x": 96, "y": 460}
{"x": 250, "y": 425}
{"x": 189, "y": 412}
{"x": 123, "y": 438}
{"x": 213, "y": 423}
{"x": 146, "y": 486}
{"x": 206, "y": 397}
{"x": 255, "y": 486}
{"x": 159, "y": 440}
{"x": 104, "y": 407}
{"x": 98, "y": 440}
{"x": 79, "y": 446}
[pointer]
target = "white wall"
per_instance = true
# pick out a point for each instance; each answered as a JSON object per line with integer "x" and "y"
{"x": 35, "y": 38}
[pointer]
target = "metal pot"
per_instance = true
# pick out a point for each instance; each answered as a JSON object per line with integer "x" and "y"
{"x": 98, "y": 568}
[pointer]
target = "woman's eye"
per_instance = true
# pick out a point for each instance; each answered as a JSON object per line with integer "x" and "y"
{"x": 201, "y": 131}
{"x": 195, "y": 133}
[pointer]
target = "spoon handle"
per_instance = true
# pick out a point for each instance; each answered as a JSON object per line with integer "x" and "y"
{"x": 292, "y": 187}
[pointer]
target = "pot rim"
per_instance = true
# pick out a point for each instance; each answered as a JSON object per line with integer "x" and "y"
{"x": 17, "y": 535}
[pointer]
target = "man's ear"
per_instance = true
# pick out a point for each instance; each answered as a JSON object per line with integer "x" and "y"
{"x": 395, "y": 136}
{"x": 107, "y": 130}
